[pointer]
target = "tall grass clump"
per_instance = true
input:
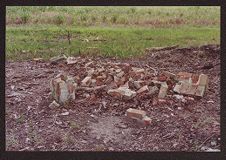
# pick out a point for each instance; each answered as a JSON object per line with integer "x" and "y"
{"x": 59, "y": 19}
{"x": 24, "y": 18}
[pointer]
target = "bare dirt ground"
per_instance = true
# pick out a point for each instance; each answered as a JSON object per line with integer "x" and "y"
{"x": 98, "y": 122}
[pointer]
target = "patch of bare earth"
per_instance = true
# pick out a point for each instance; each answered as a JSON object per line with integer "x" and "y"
{"x": 98, "y": 123}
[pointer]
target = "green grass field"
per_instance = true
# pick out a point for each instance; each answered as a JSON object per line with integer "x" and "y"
{"x": 110, "y": 31}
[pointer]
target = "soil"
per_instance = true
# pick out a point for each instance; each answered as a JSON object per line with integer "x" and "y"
{"x": 98, "y": 123}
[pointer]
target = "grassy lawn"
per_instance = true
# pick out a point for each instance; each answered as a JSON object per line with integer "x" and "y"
{"x": 42, "y": 31}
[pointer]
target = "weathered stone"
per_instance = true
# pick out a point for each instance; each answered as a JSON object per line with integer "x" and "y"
{"x": 163, "y": 90}
{"x": 143, "y": 89}
{"x": 122, "y": 92}
{"x": 86, "y": 81}
{"x": 135, "y": 113}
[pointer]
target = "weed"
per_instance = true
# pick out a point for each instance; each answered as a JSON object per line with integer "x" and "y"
{"x": 83, "y": 18}
{"x": 133, "y": 10}
{"x": 104, "y": 19}
{"x": 114, "y": 19}
{"x": 59, "y": 19}
{"x": 25, "y": 17}
{"x": 93, "y": 19}
{"x": 134, "y": 15}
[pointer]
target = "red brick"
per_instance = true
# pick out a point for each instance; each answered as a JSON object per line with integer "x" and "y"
{"x": 135, "y": 113}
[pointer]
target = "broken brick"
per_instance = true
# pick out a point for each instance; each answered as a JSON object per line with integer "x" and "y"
{"x": 200, "y": 91}
{"x": 153, "y": 89}
{"x": 138, "y": 84}
{"x": 143, "y": 89}
{"x": 189, "y": 89}
{"x": 146, "y": 120}
{"x": 122, "y": 92}
{"x": 203, "y": 80}
{"x": 86, "y": 81}
{"x": 138, "y": 70}
{"x": 135, "y": 113}
{"x": 53, "y": 105}
{"x": 163, "y": 90}
{"x": 169, "y": 75}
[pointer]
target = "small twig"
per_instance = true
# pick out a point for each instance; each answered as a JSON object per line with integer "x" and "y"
{"x": 155, "y": 71}
{"x": 205, "y": 141}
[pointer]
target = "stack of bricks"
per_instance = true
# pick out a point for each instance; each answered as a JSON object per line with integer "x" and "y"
{"x": 63, "y": 88}
{"x": 191, "y": 84}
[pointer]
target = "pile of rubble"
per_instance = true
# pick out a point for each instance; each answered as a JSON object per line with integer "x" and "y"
{"x": 125, "y": 82}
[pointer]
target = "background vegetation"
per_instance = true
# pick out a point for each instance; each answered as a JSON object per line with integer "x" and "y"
{"x": 111, "y": 31}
